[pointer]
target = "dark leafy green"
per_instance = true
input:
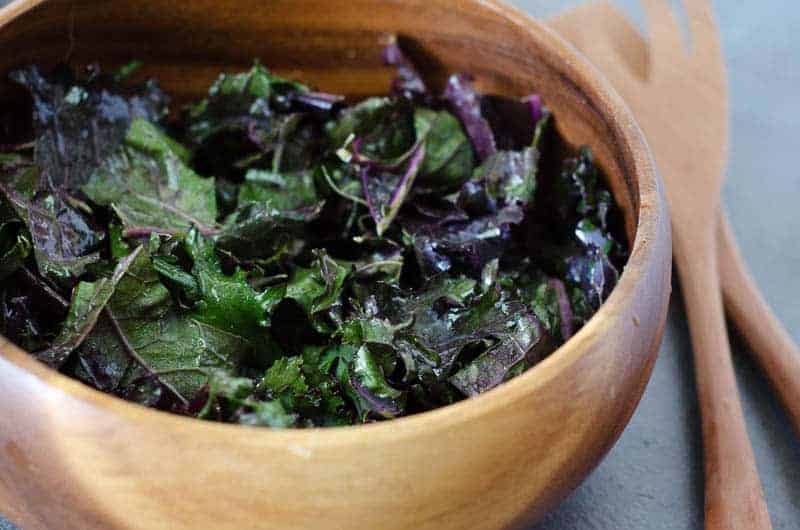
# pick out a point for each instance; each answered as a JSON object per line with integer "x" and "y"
{"x": 149, "y": 186}
{"x": 276, "y": 257}
{"x": 241, "y": 104}
{"x": 449, "y": 159}
{"x": 78, "y": 123}
{"x": 15, "y": 247}
{"x": 88, "y": 301}
{"x": 63, "y": 240}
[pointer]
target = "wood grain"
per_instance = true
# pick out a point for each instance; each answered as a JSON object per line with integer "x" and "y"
{"x": 680, "y": 100}
{"x": 771, "y": 345}
{"x": 73, "y": 458}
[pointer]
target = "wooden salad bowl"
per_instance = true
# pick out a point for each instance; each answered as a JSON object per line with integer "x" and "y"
{"x": 74, "y": 458}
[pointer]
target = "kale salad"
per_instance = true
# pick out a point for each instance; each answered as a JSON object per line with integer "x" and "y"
{"x": 272, "y": 255}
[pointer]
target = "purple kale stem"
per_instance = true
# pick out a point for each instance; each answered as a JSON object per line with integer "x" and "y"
{"x": 138, "y": 232}
{"x": 401, "y": 191}
{"x": 392, "y": 54}
{"x": 408, "y": 81}
{"x": 404, "y": 186}
{"x": 382, "y": 222}
{"x": 363, "y": 159}
{"x": 324, "y": 96}
{"x": 357, "y": 156}
{"x": 534, "y": 101}
{"x": 466, "y": 104}
{"x": 317, "y": 100}
{"x": 203, "y": 229}
{"x": 564, "y": 308}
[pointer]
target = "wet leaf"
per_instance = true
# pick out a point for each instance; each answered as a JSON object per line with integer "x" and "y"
{"x": 150, "y": 188}
{"x": 238, "y": 103}
{"x": 88, "y": 301}
{"x": 280, "y": 191}
{"x": 63, "y": 241}
{"x": 516, "y": 345}
{"x": 384, "y": 129}
{"x": 319, "y": 288}
{"x": 227, "y": 302}
{"x": 78, "y": 125}
{"x": 174, "y": 346}
{"x": 261, "y": 232}
{"x": 510, "y": 176}
{"x": 465, "y": 103}
{"x": 449, "y": 159}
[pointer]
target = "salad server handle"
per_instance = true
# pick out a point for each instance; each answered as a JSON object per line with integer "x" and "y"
{"x": 772, "y": 346}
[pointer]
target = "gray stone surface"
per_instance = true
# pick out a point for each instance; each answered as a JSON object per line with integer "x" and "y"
{"x": 653, "y": 478}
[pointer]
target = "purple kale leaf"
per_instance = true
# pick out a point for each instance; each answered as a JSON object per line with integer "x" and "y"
{"x": 63, "y": 240}
{"x": 79, "y": 124}
{"x": 409, "y": 82}
{"x": 465, "y": 102}
{"x": 385, "y": 193}
{"x": 510, "y": 176}
{"x": 515, "y": 350}
{"x": 89, "y": 299}
{"x": 463, "y": 245}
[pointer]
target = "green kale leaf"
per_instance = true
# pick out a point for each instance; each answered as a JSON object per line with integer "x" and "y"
{"x": 151, "y": 189}
{"x": 449, "y": 159}
{"x": 88, "y": 300}
{"x": 238, "y": 102}
{"x": 259, "y": 232}
{"x": 144, "y": 336}
{"x": 280, "y": 191}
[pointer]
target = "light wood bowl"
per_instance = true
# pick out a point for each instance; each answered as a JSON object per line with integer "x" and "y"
{"x": 74, "y": 458}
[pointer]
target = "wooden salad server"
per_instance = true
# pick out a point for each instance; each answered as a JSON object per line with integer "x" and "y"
{"x": 772, "y": 346}
{"x": 680, "y": 100}
{"x": 624, "y": 53}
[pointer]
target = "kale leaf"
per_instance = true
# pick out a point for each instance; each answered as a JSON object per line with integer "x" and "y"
{"x": 80, "y": 123}
{"x": 150, "y": 188}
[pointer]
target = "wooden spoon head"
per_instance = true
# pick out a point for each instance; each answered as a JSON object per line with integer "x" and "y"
{"x": 679, "y": 97}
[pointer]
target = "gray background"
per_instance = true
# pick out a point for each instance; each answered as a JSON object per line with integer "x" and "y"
{"x": 653, "y": 477}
